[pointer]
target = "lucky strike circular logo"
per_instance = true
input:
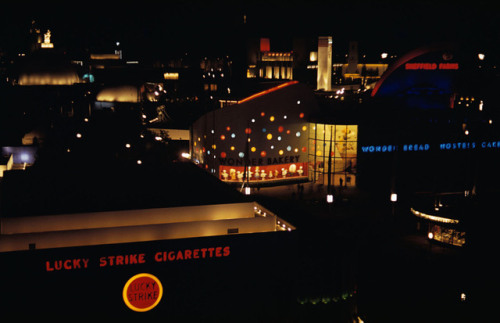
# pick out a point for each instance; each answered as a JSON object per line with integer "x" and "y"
{"x": 142, "y": 292}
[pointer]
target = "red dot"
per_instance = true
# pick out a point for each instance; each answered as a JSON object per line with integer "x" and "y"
{"x": 248, "y": 131}
{"x": 228, "y": 128}
{"x": 280, "y": 129}
{"x": 223, "y": 155}
{"x": 304, "y": 149}
{"x": 301, "y": 115}
{"x": 263, "y": 153}
{"x": 262, "y": 114}
{"x": 222, "y": 137}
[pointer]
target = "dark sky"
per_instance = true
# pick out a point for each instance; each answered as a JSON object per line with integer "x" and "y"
{"x": 158, "y": 28}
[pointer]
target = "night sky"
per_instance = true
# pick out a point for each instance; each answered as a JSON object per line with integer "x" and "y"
{"x": 168, "y": 28}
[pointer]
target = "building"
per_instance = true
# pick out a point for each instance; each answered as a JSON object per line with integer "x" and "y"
{"x": 420, "y": 110}
{"x": 200, "y": 239}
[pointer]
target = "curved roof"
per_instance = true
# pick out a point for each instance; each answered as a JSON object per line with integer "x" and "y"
{"x": 408, "y": 57}
{"x": 47, "y": 69}
{"x": 121, "y": 93}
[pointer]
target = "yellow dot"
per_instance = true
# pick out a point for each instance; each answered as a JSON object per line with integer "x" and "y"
{"x": 318, "y": 152}
{"x": 232, "y": 147}
{"x": 304, "y": 128}
{"x": 253, "y": 149}
{"x": 271, "y": 118}
{"x": 269, "y": 136}
{"x": 281, "y": 152}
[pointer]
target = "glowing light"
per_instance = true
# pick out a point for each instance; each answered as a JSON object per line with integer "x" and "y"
{"x": 233, "y": 135}
{"x": 232, "y": 148}
{"x": 280, "y": 152}
{"x": 264, "y": 129}
{"x": 139, "y": 162}
{"x": 433, "y": 217}
{"x": 481, "y": 56}
{"x": 222, "y": 137}
{"x": 127, "y": 145}
{"x": 78, "y": 135}
{"x": 430, "y": 235}
{"x": 241, "y": 154}
{"x": 253, "y": 149}
{"x": 384, "y": 55}
{"x": 280, "y": 129}
{"x": 269, "y": 136}
{"x": 329, "y": 198}
{"x": 262, "y": 114}
{"x": 298, "y": 134}
{"x": 271, "y": 118}
{"x": 304, "y": 128}
{"x": 223, "y": 155}
{"x": 289, "y": 148}
{"x": 267, "y": 91}
{"x": 394, "y": 197}
{"x": 279, "y": 138}
{"x": 247, "y": 190}
{"x": 263, "y": 153}
{"x": 304, "y": 149}
{"x": 248, "y": 131}
{"x": 228, "y": 128}
{"x": 301, "y": 115}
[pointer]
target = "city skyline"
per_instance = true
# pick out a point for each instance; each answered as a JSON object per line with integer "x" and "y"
{"x": 157, "y": 30}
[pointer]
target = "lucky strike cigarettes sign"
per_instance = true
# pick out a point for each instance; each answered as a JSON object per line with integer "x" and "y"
{"x": 83, "y": 263}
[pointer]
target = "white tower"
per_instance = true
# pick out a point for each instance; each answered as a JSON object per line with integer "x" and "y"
{"x": 324, "y": 63}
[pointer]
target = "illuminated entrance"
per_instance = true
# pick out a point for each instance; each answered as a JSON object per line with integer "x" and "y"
{"x": 333, "y": 150}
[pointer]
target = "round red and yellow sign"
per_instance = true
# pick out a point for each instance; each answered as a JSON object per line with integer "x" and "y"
{"x": 142, "y": 292}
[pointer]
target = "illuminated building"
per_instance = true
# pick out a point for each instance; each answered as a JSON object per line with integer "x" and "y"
{"x": 270, "y": 136}
{"x": 266, "y": 64}
{"x": 443, "y": 216}
{"x": 203, "y": 244}
{"x": 324, "y": 78}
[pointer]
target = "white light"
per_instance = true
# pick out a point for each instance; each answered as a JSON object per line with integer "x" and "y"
{"x": 430, "y": 235}
{"x": 329, "y": 198}
{"x": 158, "y": 138}
{"x": 298, "y": 101}
{"x": 480, "y": 56}
{"x": 384, "y": 55}
{"x": 463, "y": 297}
{"x": 78, "y": 135}
{"x": 127, "y": 145}
{"x": 139, "y": 162}
{"x": 186, "y": 155}
{"x": 247, "y": 190}
{"x": 394, "y": 197}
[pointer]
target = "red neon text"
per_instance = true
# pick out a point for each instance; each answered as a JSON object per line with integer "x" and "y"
{"x": 163, "y": 256}
{"x": 431, "y": 66}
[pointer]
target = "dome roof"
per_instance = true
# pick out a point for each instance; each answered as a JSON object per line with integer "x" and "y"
{"x": 121, "y": 93}
{"x": 47, "y": 69}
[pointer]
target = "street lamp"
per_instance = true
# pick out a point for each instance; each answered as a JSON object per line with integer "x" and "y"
{"x": 480, "y": 56}
{"x": 329, "y": 198}
{"x": 394, "y": 197}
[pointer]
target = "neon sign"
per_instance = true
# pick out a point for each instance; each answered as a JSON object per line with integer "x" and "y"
{"x": 142, "y": 292}
{"x": 465, "y": 145}
{"x": 431, "y": 66}
{"x": 136, "y": 258}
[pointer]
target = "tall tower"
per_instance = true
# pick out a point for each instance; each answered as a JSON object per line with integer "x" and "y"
{"x": 324, "y": 80}
{"x": 352, "y": 58}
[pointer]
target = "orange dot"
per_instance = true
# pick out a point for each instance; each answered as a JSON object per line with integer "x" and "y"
{"x": 222, "y": 137}
{"x": 301, "y": 115}
{"x": 263, "y": 153}
{"x": 248, "y": 131}
{"x": 262, "y": 114}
